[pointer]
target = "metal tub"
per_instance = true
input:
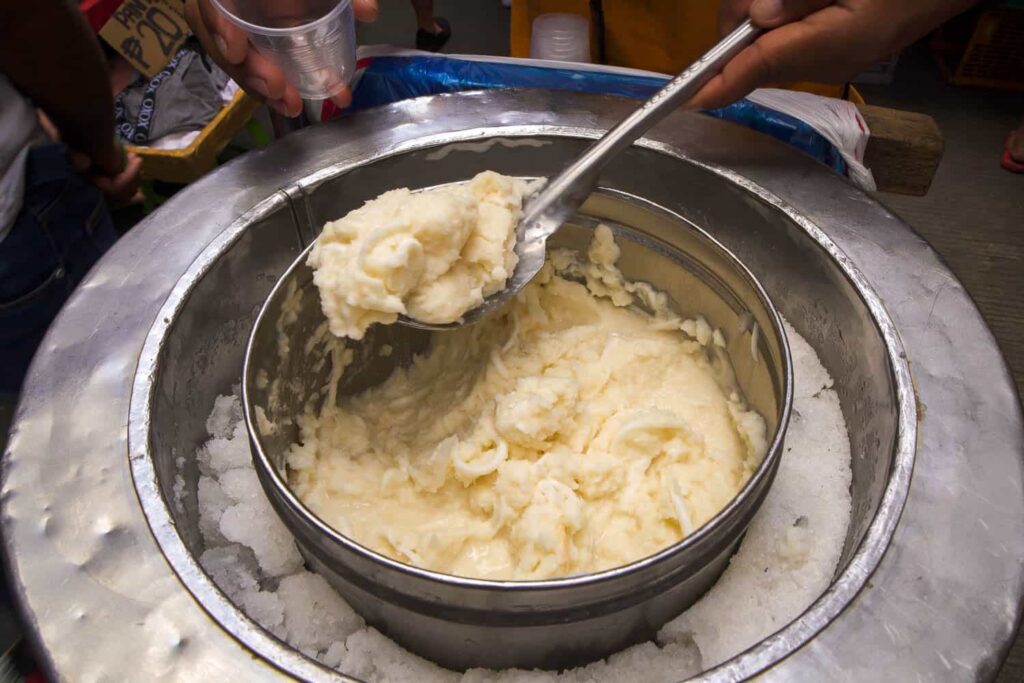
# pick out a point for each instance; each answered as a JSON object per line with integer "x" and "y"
{"x": 129, "y": 372}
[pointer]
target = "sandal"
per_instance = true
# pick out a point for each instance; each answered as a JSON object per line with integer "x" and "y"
{"x": 1008, "y": 162}
{"x": 433, "y": 42}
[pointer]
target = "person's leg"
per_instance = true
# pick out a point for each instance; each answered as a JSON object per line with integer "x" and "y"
{"x": 1013, "y": 155}
{"x": 425, "y": 15}
{"x": 432, "y": 32}
{"x": 62, "y": 230}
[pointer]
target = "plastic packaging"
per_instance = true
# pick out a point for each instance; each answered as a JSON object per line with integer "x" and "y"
{"x": 839, "y": 121}
{"x": 314, "y": 41}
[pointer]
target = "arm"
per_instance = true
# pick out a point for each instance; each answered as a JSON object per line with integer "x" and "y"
{"x": 819, "y": 40}
{"x": 49, "y": 53}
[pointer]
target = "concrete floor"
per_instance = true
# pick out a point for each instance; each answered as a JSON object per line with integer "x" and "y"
{"x": 973, "y": 215}
{"x": 478, "y": 26}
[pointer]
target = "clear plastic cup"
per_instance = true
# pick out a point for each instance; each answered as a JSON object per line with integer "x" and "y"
{"x": 560, "y": 37}
{"x": 312, "y": 41}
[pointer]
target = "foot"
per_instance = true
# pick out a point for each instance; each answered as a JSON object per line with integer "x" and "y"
{"x": 1013, "y": 154}
{"x": 433, "y": 41}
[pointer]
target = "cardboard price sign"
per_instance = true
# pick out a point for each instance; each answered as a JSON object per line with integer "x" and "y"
{"x": 147, "y": 32}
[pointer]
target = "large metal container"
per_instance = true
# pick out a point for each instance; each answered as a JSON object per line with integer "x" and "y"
{"x": 554, "y": 624}
{"x": 104, "y": 562}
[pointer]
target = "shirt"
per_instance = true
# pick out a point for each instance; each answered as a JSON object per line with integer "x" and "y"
{"x": 19, "y": 129}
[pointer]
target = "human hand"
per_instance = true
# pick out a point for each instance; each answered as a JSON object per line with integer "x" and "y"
{"x": 122, "y": 188}
{"x": 117, "y": 174}
{"x": 230, "y": 49}
{"x": 818, "y": 40}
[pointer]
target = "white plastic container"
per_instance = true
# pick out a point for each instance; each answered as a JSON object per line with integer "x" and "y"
{"x": 312, "y": 41}
{"x": 561, "y": 37}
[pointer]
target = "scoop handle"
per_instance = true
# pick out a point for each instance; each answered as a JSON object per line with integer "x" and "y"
{"x": 565, "y": 193}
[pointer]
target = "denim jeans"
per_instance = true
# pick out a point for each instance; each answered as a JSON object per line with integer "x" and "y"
{"x": 62, "y": 230}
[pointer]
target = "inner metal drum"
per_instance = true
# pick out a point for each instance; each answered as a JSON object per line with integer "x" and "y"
{"x": 930, "y": 578}
{"x": 555, "y": 624}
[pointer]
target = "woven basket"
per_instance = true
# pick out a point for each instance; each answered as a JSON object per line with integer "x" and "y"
{"x": 992, "y": 56}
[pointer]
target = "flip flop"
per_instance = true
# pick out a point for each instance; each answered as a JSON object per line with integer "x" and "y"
{"x": 433, "y": 42}
{"x": 1008, "y": 162}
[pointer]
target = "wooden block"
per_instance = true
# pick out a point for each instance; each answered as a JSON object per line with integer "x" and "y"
{"x": 904, "y": 150}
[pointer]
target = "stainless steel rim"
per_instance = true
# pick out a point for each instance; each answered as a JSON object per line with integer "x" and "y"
{"x": 872, "y": 548}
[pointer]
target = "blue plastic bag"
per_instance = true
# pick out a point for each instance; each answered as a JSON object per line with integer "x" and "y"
{"x": 391, "y": 78}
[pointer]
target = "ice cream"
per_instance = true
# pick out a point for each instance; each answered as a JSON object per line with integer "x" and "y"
{"x": 572, "y": 433}
{"x": 431, "y": 255}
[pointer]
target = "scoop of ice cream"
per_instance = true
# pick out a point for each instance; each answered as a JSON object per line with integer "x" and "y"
{"x": 431, "y": 255}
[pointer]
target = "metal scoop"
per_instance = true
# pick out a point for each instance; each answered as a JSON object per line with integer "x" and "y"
{"x": 563, "y": 195}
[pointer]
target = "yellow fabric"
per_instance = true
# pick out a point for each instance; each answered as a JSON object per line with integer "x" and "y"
{"x": 656, "y": 35}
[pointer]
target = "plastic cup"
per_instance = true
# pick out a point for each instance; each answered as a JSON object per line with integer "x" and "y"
{"x": 560, "y": 37}
{"x": 312, "y": 41}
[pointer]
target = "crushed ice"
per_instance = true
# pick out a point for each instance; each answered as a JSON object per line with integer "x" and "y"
{"x": 787, "y": 559}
